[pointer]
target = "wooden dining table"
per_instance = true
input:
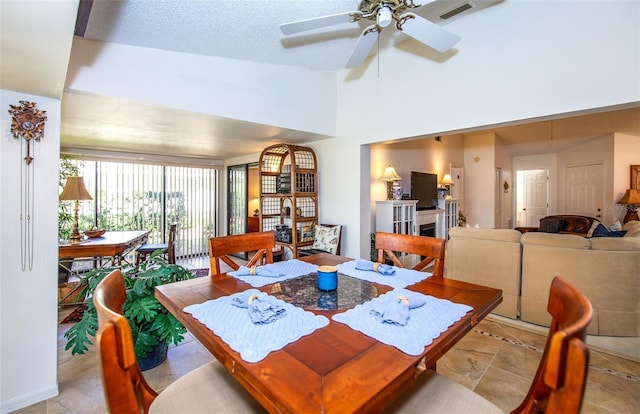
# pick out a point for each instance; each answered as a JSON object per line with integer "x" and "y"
{"x": 334, "y": 369}
{"x": 112, "y": 244}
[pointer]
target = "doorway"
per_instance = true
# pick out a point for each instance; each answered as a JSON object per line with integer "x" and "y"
{"x": 585, "y": 190}
{"x": 532, "y": 197}
{"x": 242, "y": 199}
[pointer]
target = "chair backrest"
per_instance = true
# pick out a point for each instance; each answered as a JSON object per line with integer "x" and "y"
{"x": 125, "y": 388}
{"x": 431, "y": 248}
{"x": 559, "y": 383}
{"x": 171, "y": 244}
{"x": 221, "y": 247}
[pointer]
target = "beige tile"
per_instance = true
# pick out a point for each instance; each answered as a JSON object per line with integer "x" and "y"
{"x": 462, "y": 368}
{"x": 39, "y": 408}
{"x": 589, "y": 408}
{"x": 479, "y": 346}
{"x": 502, "y": 388}
{"x": 614, "y": 363}
{"x": 518, "y": 360}
{"x": 612, "y": 392}
{"x": 181, "y": 359}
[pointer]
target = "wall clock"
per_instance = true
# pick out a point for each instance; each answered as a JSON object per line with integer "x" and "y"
{"x": 27, "y": 122}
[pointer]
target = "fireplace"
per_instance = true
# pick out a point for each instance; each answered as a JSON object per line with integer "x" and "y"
{"x": 428, "y": 230}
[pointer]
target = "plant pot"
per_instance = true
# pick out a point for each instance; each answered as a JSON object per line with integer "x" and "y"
{"x": 154, "y": 358}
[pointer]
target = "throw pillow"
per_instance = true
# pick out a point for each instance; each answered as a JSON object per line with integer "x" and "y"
{"x": 552, "y": 225}
{"x": 615, "y": 226}
{"x": 593, "y": 228}
{"x": 326, "y": 238}
{"x": 602, "y": 231}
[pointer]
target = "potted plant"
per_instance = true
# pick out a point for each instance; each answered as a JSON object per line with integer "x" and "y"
{"x": 65, "y": 218}
{"x": 152, "y": 326}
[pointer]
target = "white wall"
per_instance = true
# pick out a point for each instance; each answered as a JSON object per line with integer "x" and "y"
{"x": 422, "y": 155}
{"x": 479, "y": 170}
{"x": 227, "y": 88}
{"x": 28, "y": 298}
{"x": 503, "y": 161}
{"x": 626, "y": 153}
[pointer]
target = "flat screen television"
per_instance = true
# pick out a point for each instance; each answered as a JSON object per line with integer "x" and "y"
{"x": 424, "y": 188}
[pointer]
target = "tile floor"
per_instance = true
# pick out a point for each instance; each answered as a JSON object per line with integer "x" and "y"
{"x": 497, "y": 359}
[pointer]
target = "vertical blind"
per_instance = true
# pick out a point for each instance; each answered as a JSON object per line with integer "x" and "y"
{"x": 131, "y": 196}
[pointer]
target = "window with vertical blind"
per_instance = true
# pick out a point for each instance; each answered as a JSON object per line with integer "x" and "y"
{"x": 129, "y": 196}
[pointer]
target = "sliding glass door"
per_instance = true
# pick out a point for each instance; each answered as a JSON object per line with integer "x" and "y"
{"x": 129, "y": 196}
{"x": 237, "y": 198}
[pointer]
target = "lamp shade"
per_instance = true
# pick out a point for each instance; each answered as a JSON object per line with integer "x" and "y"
{"x": 447, "y": 180}
{"x": 630, "y": 196}
{"x": 390, "y": 174}
{"x": 74, "y": 189}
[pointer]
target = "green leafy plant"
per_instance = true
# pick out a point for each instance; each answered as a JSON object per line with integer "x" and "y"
{"x": 65, "y": 217}
{"x": 150, "y": 322}
{"x": 462, "y": 219}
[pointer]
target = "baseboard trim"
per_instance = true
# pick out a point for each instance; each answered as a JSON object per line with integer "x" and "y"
{"x": 28, "y": 399}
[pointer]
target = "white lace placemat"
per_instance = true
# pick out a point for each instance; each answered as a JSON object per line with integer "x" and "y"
{"x": 289, "y": 269}
{"x": 425, "y": 323}
{"x": 254, "y": 341}
{"x": 402, "y": 278}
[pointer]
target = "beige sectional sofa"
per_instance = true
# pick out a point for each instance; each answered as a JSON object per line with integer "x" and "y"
{"x": 487, "y": 257}
{"x": 606, "y": 269}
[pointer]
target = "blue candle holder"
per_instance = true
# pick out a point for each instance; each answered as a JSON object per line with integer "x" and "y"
{"x": 327, "y": 278}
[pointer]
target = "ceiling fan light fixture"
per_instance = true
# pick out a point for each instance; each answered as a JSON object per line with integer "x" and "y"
{"x": 385, "y": 16}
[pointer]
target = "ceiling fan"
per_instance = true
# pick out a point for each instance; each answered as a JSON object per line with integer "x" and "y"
{"x": 382, "y": 13}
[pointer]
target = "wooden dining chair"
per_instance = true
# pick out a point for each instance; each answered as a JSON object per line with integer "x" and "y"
{"x": 207, "y": 389}
{"x": 168, "y": 248}
{"x": 559, "y": 383}
{"x": 431, "y": 249}
{"x": 220, "y": 249}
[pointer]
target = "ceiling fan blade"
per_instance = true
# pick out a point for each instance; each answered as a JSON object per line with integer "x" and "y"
{"x": 363, "y": 47}
{"x": 318, "y": 22}
{"x": 427, "y": 32}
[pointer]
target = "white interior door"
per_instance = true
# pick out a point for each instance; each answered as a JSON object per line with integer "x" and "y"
{"x": 585, "y": 190}
{"x": 533, "y": 197}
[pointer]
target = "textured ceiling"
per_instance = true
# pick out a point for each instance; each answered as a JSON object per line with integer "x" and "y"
{"x": 249, "y": 29}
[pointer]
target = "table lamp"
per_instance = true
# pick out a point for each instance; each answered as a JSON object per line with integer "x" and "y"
{"x": 74, "y": 190}
{"x": 447, "y": 181}
{"x": 631, "y": 198}
{"x": 390, "y": 176}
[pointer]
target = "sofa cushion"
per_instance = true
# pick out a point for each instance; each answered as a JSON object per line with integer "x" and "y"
{"x": 632, "y": 228}
{"x": 507, "y": 235}
{"x": 616, "y": 244}
{"x": 556, "y": 240}
{"x": 601, "y": 231}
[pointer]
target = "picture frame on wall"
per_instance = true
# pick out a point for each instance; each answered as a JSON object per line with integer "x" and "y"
{"x": 635, "y": 177}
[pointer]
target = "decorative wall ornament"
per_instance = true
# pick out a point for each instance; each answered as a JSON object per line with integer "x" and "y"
{"x": 27, "y": 122}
